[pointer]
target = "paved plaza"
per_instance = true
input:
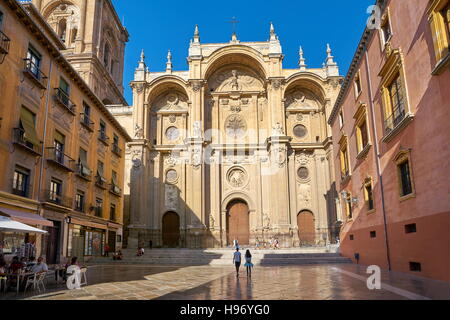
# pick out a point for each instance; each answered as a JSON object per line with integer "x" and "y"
{"x": 314, "y": 282}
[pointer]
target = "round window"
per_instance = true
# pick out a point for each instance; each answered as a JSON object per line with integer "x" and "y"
{"x": 172, "y": 133}
{"x": 300, "y": 131}
{"x": 171, "y": 176}
{"x": 303, "y": 173}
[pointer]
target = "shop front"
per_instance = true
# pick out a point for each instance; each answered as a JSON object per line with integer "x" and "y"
{"x": 20, "y": 242}
{"x": 86, "y": 239}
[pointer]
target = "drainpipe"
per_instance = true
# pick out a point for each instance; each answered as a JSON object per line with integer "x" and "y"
{"x": 380, "y": 176}
{"x": 47, "y": 98}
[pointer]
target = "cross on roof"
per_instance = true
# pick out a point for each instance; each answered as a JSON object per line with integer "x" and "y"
{"x": 234, "y": 22}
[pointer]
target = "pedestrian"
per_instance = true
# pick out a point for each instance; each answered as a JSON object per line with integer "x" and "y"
{"x": 237, "y": 261}
{"x": 106, "y": 250}
{"x": 151, "y": 244}
{"x": 248, "y": 263}
{"x": 235, "y": 244}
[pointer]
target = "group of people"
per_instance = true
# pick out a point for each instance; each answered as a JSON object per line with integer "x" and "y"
{"x": 23, "y": 265}
{"x": 18, "y": 266}
{"x": 237, "y": 258}
{"x": 273, "y": 244}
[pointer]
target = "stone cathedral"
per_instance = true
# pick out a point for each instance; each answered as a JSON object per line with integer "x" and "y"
{"x": 236, "y": 147}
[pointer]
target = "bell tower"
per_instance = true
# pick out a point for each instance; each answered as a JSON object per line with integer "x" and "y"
{"x": 95, "y": 42}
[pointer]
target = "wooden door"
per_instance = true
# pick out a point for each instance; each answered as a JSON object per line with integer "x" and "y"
{"x": 238, "y": 223}
{"x": 112, "y": 241}
{"x": 171, "y": 230}
{"x": 306, "y": 228}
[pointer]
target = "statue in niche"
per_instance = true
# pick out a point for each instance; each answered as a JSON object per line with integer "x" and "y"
{"x": 197, "y": 131}
{"x": 234, "y": 80}
{"x": 212, "y": 221}
{"x": 278, "y": 130}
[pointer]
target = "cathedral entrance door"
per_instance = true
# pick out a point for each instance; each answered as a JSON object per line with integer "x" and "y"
{"x": 171, "y": 230}
{"x": 238, "y": 222}
{"x": 306, "y": 228}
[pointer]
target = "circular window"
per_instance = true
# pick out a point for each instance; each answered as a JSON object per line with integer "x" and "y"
{"x": 172, "y": 133}
{"x": 171, "y": 176}
{"x": 303, "y": 173}
{"x": 300, "y": 131}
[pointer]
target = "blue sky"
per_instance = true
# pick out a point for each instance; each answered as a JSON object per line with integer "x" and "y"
{"x": 158, "y": 25}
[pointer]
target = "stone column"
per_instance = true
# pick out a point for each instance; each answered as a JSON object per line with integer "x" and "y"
{"x": 79, "y": 41}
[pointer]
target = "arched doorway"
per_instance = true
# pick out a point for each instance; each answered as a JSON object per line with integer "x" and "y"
{"x": 171, "y": 230}
{"x": 306, "y": 228}
{"x": 238, "y": 222}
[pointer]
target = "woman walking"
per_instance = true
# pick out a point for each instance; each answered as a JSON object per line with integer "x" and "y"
{"x": 248, "y": 263}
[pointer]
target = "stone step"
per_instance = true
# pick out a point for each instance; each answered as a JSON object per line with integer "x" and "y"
{"x": 223, "y": 257}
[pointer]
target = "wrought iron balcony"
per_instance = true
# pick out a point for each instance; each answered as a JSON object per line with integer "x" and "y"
{"x": 394, "y": 119}
{"x": 100, "y": 182}
{"x": 33, "y": 72}
{"x": 103, "y": 137}
{"x": 4, "y": 46}
{"x": 83, "y": 172}
{"x": 60, "y": 159}
{"x": 116, "y": 190}
{"x": 86, "y": 122}
{"x": 116, "y": 150}
{"x": 55, "y": 198}
{"x": 63, "y": 99}
{"x": 19, "y": 140}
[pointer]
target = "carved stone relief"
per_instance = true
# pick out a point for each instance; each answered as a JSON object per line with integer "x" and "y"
{"x": 237, "y": 177}
{"x": 235, "y": 126}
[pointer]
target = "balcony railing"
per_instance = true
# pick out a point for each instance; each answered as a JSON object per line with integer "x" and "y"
{"x": 394, "y": 119}
{"x": 103, "y": 137}
{"x": 63, "y": 99}
{"x": 116, "y": 150}
{"x": 4, "y": 45}
{"x": 58, "y": 157}
{"x": 86, "y": 122}
{"x": 114, "y": 189}
{"x": 100, "y": 182}
{"x": 19, "y": 139}
{"x": 33, "y": 72}
{"x": 53, "y": 197}
{"x": 83, "y": 172}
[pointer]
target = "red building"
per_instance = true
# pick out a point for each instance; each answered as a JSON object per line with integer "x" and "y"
{"x": 391, "y": 129}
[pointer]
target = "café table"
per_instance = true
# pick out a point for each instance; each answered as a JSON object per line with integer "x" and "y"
{"x": 19, "y": 276}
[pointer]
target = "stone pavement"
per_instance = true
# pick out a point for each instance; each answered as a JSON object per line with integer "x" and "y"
{"x": 311, "y": 282}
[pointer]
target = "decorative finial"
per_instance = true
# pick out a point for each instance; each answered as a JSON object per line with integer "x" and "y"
{"x": 234, "y": 37}
{"x": 273, "y": 35}
{"x": 169, "y": 62}
{"x": 196, "y": 34}
{"x": 141, "y": 64}
{"x": 330, "y": 61}
{"x": 301, "y": 61}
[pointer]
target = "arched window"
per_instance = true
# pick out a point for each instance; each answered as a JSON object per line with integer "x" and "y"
{"x": 106, "y": 55}
{"x": 62, "y": 29}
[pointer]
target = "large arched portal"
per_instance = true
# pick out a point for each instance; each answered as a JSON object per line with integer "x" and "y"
{"x": 238, "y": 222}
{"x": 171, "y": 230}
{"x": 306, "y": 228}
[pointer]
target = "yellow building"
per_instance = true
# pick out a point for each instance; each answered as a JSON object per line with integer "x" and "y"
{"x": 61, "y": 151}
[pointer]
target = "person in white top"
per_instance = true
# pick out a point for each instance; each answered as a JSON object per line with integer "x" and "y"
{"x": 237, "y": 261}
{"x": 236, "y": 244}
{"x": 39, "y": 267}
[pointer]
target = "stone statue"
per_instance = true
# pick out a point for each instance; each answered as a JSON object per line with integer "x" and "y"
{"x": 197, "y": 131}
{"x": 278, "y": 129}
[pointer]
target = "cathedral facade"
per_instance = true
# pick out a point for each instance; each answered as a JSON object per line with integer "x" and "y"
{"x": 236, "y": 147}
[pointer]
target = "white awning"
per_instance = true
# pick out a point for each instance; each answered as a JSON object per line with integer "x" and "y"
{"x": 8, "y": 225}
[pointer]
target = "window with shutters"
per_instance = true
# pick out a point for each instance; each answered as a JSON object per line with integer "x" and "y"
{"x": 405, "y": 175}
{"x": 439, "y": 20}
